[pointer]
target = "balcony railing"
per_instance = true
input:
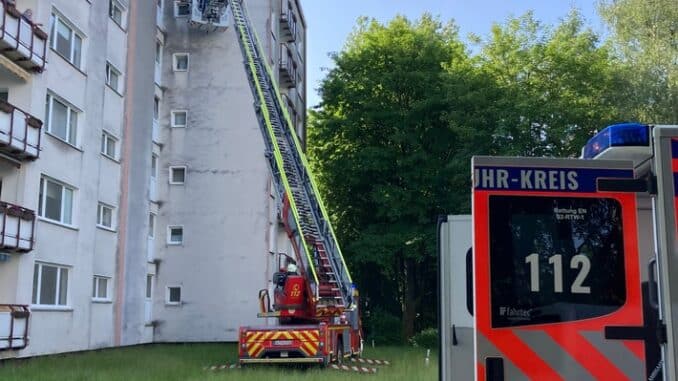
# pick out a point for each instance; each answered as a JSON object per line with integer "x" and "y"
{"x": 153, "y": 189}
{"x": 300, "y": 103}
{"x": 19, "y": 133}
{"x": 288, "y": 22}
{"x": 158, "y": 15}
{"x": 157, "y": 74}
{"x": 291, "y": 111}
{"x": 150, "y": 250}
{"x": 155, "y": 132}
{"x": 17, "y": 227}
{"x": 21, "y": 40}
{"x": 287, "y": 67}
{"x": 13, "y": 326}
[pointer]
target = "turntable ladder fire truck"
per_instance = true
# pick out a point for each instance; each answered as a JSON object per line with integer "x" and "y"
{"x": 317, "y": 307}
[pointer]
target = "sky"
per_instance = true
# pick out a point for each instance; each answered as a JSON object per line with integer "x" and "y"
{"x": 329, "y": 22}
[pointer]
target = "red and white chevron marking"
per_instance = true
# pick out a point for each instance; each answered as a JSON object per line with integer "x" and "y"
{"x": 353, "y": 368}
{"x": 222, "y": 367}
{"x": 370, "y": 361}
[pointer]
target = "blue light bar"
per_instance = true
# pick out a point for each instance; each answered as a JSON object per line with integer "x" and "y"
{"x": 618, "y": 135}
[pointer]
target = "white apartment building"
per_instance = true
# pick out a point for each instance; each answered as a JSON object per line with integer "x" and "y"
{"x": 135, "y": 198}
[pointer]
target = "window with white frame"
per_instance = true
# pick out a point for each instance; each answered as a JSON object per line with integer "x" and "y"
{"x": 177, "y": 174}
{"x": 100, "y": 291}
{"x": 181, "y": 8}
{"x": 180, "y": 61}
{"x": 108, "y": 145}
{"x": 61, "y": 119}
{"x": 116, "y": 12}
{"x": 173, "y": 295}
{"x": 105, "y": 216}
{"x": 175, "y": 235}
{"x": 113, "y": 76}
{"x": 179, "y": 118}
{"x": 56, "y": 201}
{"x": 65, "y": 40}
{"x": 151, "y": 225}
{"x": 50, "y": 285}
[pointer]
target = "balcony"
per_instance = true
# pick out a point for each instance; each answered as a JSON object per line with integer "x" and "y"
{"x": 13, "y": 326}
{"x": 19, "y": 133}
{"x": 299, "y": 101}
{"x": 21, "y": 40}
{"x": 288, "y": 22}
{"x": 294, "y": 96}
{"x": 157, "y": 74}
{"x": 158, "y": 15}
{"x": 153, "y": 190}
{"x": 17, "y": 226}
{"x": 287, "y": 67}
{"x": 291, "y": 111}
{"x": 155, "y": 133}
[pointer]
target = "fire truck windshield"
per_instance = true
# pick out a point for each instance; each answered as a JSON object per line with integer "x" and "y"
{"x": 555, "y": 259}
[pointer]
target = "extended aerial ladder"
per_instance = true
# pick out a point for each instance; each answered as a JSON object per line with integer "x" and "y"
{"x": 307, "y": 220}
{"x": 322, "y": 323}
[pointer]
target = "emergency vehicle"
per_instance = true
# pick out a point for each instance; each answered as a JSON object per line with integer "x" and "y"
{"x": 554, "y": 276}
{"x": 316, "y": 306}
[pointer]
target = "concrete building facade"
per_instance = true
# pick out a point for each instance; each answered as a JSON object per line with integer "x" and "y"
{"x": 135, "y": 199}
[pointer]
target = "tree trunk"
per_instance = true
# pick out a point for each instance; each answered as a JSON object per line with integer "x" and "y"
{"x": 410, "y": 298}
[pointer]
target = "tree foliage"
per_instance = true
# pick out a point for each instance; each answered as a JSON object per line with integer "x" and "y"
{"x": 559, "y": 85}
{"x": 645, "y": 35}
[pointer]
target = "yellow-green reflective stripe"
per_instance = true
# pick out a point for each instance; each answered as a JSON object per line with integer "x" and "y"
{"x": 297, "y": 146}
{"x": 276, "y": 150}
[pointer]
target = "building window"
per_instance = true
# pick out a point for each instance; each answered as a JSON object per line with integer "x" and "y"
{"x": 105, "y": 216}
{"x": 56, "y": 201}
{"x": 154, "y": 166}
{"x": 61, "y": 119}
{"x": 116, "y": 12}
{"x": 177, "y": 174}
{"x": 149, "y": 286}
{"x": 151, "y": 225}
{"x": 156, "y": 108}
{"x": 179, "y": 118}
{"x": 182, "y": 9}
{"x": 173, "y": 295}
{"x": 65, "y": 40}
{"x": 108, "y": 145}
{"x": 158, "y": 51}
{"x": 50, "y": 285}
{"x": 100, "y": 289}
{"x": 175, "y": 235}
{"x": 180, "y": 61}
{"x": 113, "y": 77}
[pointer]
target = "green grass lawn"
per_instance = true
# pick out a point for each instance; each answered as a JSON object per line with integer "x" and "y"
{"x": 186, "y": 362}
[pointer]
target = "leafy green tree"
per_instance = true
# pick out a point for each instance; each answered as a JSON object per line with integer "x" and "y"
{"x": 391, "y": 145}
{"x": 645, "y": 34}
{"x": 404, "y": 109}
{"x": 559, "y": 85}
